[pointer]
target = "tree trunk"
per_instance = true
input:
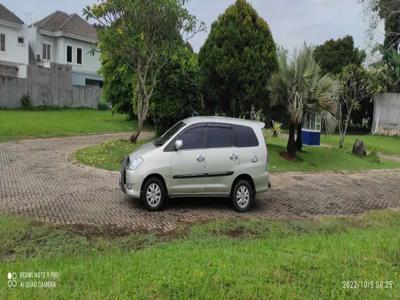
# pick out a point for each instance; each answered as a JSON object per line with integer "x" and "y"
{"x": 346, "y": 125}
{"x": 299, "y": 141}
{"x": 142, "y": 107}
{"x": 341, "y": 141}
{"x": 135, "y": 136}
{"x": 291, "y": 146}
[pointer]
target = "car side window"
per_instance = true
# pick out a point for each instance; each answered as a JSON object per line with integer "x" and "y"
{"x": 219, "y": 137}
{"x": 193, "y": 138}
{"x": 244, "y": 136}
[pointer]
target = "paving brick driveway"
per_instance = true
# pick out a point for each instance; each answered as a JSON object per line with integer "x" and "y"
{"x": 38, "y": 179}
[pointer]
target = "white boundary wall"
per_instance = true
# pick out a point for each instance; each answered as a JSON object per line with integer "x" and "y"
{"x": 386, "y": 114}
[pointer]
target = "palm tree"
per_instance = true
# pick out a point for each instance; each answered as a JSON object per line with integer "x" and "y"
{"x": 299, "y": 87}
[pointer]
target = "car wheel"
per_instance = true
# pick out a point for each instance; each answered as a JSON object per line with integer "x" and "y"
{"x": 153, "y": 194}
{"x": 242, "y": 196}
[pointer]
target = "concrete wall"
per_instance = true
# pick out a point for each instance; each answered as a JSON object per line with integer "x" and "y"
{"x": 88, "y": 95}
{"x": 48, "y": 86}
{"x": 386, "y": 114}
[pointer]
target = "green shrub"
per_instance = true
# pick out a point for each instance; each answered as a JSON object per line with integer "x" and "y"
{"x": 26, "y": 102}
{"x": 373, "y": 156}
{"x": 102, "y": 106}
{"x": 177, "y": 94}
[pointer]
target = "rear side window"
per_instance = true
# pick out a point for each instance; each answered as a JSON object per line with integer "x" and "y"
{"x": 193, "y": 138}
{"x": 244, "y": 136}
{"x": 219, "y": 137}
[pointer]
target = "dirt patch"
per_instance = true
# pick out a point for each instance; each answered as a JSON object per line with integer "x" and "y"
{"x": 109, "y": 232}
{"x": 240, "y": 233}
{"x": 290, "y": 157}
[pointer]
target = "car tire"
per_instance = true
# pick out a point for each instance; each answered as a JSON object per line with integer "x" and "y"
{"x": 242, "y": 196}
{"x": 153, "y": 194}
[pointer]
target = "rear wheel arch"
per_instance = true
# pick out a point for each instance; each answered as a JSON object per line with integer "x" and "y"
{"x": 246, "y": 177}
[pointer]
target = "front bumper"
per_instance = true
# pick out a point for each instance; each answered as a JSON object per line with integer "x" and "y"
{"x": 129, "y": 181}
{"x": 122, "y": 176}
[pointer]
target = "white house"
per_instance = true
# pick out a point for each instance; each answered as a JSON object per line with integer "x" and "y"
{"x": 14, "y": 48}
{"x": 67, "y": 39}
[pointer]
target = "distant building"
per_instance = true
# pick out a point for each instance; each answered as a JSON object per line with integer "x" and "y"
{"x": 14, "y": 48}
{"x": 70, "y": 40}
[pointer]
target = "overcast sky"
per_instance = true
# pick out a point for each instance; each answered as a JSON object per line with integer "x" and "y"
{"x": 291, "y": 21}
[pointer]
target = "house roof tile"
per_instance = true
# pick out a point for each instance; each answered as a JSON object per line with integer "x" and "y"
{"x": 60, "y": 21}
{"x": 6, "y": 14}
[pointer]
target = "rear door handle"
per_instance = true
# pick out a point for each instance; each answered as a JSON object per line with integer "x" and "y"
{"x": 234, "y": 156}
{"x": 200, "y": 158}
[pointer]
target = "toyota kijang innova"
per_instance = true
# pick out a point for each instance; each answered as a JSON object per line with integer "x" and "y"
{"x": 200, "y": 157}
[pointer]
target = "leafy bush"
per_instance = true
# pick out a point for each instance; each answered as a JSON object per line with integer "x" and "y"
{"x": 102, "y": 106}
{"x": 177, "y": 94}
{"x": 117, "y": 88}
{"x": 373, "y": 156}
{"x": 26, "y": 102}
{"x": 275, "y": 131}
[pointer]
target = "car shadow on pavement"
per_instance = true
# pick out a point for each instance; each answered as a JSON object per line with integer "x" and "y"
{"x": 217, "y": 203}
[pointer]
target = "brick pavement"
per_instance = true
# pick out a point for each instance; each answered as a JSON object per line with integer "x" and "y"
{"x": 38, "y": 179}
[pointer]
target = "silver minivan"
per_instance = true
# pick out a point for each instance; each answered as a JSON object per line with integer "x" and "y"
{"x": 200, "y": 157}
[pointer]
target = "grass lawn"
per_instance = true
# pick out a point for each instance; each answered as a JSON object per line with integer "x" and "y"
{"x": 323, "y": 159}
{"x": 109, "y": 155}
{"x": 386, "y": 144}
{"x": 18, "y": 124}
{"x": 310, "y": 259}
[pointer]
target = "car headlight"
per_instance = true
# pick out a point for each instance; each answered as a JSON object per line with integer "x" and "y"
{"x": 135, "y": 163}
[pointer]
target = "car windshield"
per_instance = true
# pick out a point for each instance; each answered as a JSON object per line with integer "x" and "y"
{"x": 169, "y": 133}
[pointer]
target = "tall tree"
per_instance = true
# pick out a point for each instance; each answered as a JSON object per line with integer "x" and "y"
{"x": 389, "y": 12}
{"x": 300, "y": 88}
{"x": 143, "y": 34}
{"x": 236, "y": 62}
{"x": 334, "y": 55}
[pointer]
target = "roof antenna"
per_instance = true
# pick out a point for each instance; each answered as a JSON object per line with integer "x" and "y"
{"x": 28, "y": 18}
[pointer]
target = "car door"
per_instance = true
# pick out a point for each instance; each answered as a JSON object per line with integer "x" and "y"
{"x": 222, "y": 159}
{"x": 188, "y": 164}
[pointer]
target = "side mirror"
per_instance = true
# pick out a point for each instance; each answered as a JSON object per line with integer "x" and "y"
{"x": 178, "y": 145}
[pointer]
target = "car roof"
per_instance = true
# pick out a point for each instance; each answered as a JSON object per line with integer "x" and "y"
{"x": 217, "y": 119}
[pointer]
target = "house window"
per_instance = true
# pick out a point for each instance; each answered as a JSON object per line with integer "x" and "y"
{"x": 21, "y": 40}
{"x": 79, "y": 56}
{"x": 93, "y": 82}
{"x": 2, "y": 42}
{"x": 69, "y": 54}
{"x": 46, "y": 53}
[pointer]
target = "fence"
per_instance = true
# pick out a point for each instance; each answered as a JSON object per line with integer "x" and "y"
{"x": 47, "y": 86}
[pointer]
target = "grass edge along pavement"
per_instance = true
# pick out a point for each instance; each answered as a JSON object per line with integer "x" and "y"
{"x": 238, "y": 258}
{"x": 110, "y": 154}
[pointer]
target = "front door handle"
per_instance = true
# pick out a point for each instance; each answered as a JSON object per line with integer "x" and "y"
{"x": 234, "y": 156}
{"x": 200, "y": 158}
